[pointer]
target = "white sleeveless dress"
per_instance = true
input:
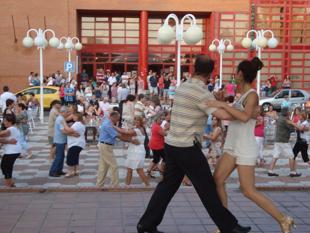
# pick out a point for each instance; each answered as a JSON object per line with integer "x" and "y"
{"x": 240, "y": 141}
{"x": 136, "y": 153}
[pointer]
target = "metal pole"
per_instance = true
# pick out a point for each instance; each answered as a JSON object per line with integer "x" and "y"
{"x": 178, "y": 63}
{"x": 69, "y": 60}
{"x": 259, "y": 72}
{"x": 41, "y": 86}
{"x": 221, "y": 68}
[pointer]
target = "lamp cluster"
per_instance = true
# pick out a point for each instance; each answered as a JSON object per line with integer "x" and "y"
{"x": 41, "y": 42}
{"x": 260, "y": 41}
{"x": 69, "y": 43}
{"x": 191, "y": 36}
{"x": 221, "y": 46}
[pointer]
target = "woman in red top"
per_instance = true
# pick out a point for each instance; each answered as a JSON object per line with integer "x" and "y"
{"x": 161, "y": 86}
{"x": 62, "y": 93}
{"x": 296, "y": 115}
{"x": 157, "y": 144}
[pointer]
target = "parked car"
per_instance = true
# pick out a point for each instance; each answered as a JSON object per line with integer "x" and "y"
{"x": 297, "y": 97}
{"x": 50, "y": 93}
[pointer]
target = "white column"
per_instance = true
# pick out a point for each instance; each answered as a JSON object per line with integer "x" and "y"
{"x": 221, "y": 68}
{"x": 178, "y": 63}
{"x": 259, "y": 72}
{"x": 69, "y": 60}
{"x": 41, "y": 86}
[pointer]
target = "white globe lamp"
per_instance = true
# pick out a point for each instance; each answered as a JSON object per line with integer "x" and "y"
{"x": 78, "y": 46}
{"x": 246, "y": 42}
{"x": 165, "y": 34}
{"x": 193, "y": 35}
{"x": 212, "y": 48}
{"x": 54, "y": 42}
{"x": 69, "y": 45}
{"x": 272, "y": 43}
{"x": 39, "y": 41}
{"x": 230, "y": 47}
{"x": 28, "y": 42}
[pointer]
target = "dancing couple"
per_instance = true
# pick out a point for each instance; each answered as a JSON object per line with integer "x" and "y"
{"x": 192, "y": 104}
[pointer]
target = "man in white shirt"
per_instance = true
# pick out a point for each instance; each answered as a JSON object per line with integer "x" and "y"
{"x": 6, "y": 95}
{"x": 123, "y": 92}
{"x": 112, "y": 79}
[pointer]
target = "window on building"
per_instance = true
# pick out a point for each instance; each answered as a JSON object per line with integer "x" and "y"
{"x": 110, "y": 30}
{"x": 234, "y": 26}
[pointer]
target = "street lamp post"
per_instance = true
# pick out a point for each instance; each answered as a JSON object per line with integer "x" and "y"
{"x": 192, "y": 36}
{"x": 41, "y": 42}
{"x": 70, "y": 45}
{"x": 259, "y": 43}
{"x": 221, "y": 49}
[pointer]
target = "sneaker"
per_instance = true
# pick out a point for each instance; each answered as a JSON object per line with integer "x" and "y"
{"x": 272, "y": 174}
{"x": 295, "y": 174}
{"x": 61, "y": 173}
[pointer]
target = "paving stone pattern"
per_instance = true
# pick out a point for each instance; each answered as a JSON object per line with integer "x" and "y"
{"x": 118, "y": 212}
{"x": 33, "y": 173}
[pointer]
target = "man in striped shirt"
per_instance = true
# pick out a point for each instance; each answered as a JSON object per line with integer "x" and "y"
{"x": 184, "y": 155}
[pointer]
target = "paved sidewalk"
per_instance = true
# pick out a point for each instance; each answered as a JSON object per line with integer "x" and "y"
{"x": 33, "y": 173}
{"x": 118, "y": 212}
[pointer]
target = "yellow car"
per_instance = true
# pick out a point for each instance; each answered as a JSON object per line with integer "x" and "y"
{"x": 50, "y": 93}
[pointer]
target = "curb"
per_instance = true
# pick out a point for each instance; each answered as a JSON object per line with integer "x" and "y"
{"x": 94, "y": 189}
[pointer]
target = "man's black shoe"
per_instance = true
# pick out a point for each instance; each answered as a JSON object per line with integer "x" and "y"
{"x": 272, "y": 174}
{"x": 61, "y": 173}
{"x": 54, "y": 175}
{"x": 141, "y": 229}
{"x": 295, "y": 174}
{"x": 241, "y": 229}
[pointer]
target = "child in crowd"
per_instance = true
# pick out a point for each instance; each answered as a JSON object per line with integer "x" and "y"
{"x": 216, "y": 138}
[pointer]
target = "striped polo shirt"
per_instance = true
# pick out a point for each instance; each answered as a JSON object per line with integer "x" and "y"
{"x": 189, "y": 113}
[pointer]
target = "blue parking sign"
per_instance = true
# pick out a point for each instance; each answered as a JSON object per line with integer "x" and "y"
{"x": 69, "y": 66}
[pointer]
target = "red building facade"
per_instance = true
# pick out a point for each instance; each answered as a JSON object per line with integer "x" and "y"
{"x": 122, "y": 35}
{"x": 127, "y": 41}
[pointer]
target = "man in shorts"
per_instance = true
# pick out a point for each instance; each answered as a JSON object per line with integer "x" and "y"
{"x": 55, "y": 107}
{"x": 282, "y": 145}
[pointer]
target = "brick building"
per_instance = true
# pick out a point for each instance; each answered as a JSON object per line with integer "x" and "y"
{"x": 122, "y": 35}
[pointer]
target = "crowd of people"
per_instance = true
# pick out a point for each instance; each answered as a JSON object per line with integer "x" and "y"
{"x": 117, "y": 107}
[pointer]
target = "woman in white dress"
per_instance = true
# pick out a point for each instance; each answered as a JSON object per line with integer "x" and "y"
{"x": 136, "y": 152}
{"x": 240, "y": 148}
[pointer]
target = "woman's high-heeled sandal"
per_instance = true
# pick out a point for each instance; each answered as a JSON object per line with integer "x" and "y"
{"x": 286, "y": 224}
